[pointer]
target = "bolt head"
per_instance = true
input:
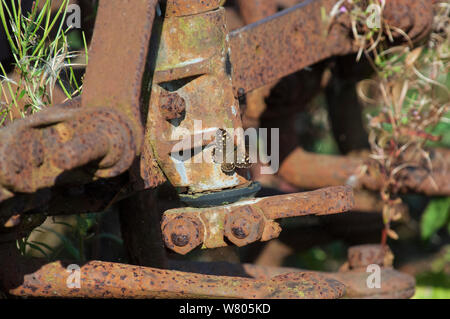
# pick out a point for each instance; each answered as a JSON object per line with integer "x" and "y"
{"x": 182, "y": 233}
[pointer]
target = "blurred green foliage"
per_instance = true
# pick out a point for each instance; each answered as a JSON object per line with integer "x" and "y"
{"x": 435, "y": 217}
{"x": 74, "y": 238}
{"x": 435, "y": 284}
{"x": 325, "y": 258}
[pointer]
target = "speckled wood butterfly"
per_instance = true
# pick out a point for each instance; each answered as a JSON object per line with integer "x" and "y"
{"x": 223, "y": 142}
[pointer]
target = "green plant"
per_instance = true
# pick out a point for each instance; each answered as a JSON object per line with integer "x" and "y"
{"x": 435, "y": 283}
{"x": 77, "y": 233}
{"x": 359, "y": 12}
{"x": 411, "y": 93}
{"x": 39, "y": 45}
{"x": 324, "y": 258}
{"x": 74, "y": 242}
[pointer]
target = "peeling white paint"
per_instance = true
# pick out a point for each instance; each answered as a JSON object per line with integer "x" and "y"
{"x": 245, "y": 202}
{"x": 214, "y": 220}
{"x": 216, "y": 180}
{"x": 188, "y": 62}
{"x": 181, "y": 169}
{"x": 233, "y": 109}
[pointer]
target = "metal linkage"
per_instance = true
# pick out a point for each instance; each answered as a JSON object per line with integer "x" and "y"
{"x": 247, "y": 221}
{"x": 203, "y": 71}
{"x": 38, "y": 151}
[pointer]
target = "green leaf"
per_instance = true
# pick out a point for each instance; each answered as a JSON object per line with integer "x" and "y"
{"x": 42, "y": 244}
{"x": 387, "y": 127}
{"x": 22, "y": 94}
{"x": 82, "y": 225}
{"x": 435, "y": 217}
{"x": 36, "y": 247}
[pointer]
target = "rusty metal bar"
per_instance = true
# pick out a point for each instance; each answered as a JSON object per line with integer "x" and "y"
{"x": 353, "y": 274}
{"x": 117, "y": 58}
{"x": 300, "y": 36}
{"x": 308, "y": 170}
{"x": 34, "y": 278}
{"x": 394, "y": 284}
{"x": 325, "y": 201}
{"x": 284, "y": 43}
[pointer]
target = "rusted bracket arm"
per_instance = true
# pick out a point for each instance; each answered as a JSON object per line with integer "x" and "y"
{"x": 247, "y": 221}
{"x": 284, "y": 43}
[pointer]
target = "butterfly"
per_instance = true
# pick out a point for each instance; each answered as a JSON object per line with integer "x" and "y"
{"x": 223, "y": 148}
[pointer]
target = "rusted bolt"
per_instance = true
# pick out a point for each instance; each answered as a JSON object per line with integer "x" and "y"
{"x": 182, "y": 233}
{"x": 172, "y": 105}
{"x": 244, "y": 226}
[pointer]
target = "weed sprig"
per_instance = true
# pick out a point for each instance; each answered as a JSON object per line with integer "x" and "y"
{"x": 38, "y": 40}
{"x": 411, "y": 91}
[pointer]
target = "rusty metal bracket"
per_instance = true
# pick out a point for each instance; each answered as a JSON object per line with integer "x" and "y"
{"x": 191, "y": 99}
